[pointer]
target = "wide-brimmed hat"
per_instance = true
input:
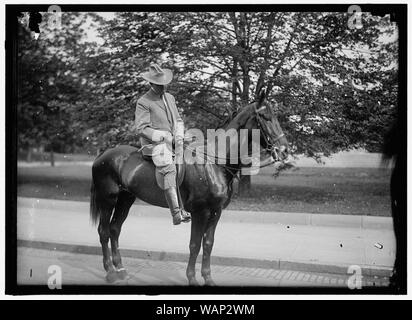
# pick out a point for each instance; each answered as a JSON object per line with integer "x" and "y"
{"x": 158, "y": 75}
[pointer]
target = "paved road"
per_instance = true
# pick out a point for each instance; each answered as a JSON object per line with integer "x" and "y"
{"x": 83, "y": 269}
{"x": 309, "y": 247}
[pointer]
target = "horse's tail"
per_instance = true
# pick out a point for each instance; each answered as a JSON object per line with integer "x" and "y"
{"x": 94, "y": 204}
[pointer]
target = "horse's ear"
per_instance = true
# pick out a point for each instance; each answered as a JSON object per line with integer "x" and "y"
{"x": 261, "y": 96}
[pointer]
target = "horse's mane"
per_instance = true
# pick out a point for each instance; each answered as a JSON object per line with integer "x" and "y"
{"x": 232, "y": 115}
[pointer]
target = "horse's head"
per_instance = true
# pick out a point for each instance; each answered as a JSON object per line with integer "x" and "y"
{"x": 263, "y": 117}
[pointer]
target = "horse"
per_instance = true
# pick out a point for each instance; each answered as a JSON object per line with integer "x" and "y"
{"x": 122, "y": 174}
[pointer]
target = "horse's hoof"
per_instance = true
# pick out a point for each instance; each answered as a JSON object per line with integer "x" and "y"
{"x": 209, "y": 282}
{"x": 111, "y": 276}
{"x": 122, "y": 274}
{"x": 193, "y": 282}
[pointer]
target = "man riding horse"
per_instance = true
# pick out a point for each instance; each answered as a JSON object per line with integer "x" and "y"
{"x": 122, "y": 174}
{"x": 160, "y": 127}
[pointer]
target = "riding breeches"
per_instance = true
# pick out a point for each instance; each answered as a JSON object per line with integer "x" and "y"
{"x": 165, "y": 167}
{"x": 166, "y": 176}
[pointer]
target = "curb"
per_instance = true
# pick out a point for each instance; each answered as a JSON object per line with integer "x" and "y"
{"x": 372, "y": 271}
{"x": 285, "y": 218}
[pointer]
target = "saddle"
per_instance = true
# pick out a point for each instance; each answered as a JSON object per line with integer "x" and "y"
{"x": 180, "y": 169}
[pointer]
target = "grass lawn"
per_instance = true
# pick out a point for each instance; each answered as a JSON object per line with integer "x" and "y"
{"x": 314, "y": 190}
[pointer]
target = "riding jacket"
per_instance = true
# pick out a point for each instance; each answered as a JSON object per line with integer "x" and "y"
{"x": 153, "y": 119}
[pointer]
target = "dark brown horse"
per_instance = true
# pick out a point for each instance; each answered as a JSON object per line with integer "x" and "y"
{"x": 120, "y": 175}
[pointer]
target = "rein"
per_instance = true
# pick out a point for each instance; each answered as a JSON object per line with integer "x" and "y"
{"x": 149, "y": 145}
{"x": 228, "y": 167}
{"x": 225, "y": 166}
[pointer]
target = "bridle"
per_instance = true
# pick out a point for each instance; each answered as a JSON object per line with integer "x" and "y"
{"x": 270, "y": 143}
{"x": 270, "y": 147}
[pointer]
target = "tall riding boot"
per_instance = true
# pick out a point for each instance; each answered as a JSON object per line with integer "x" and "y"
{"x": 186, "y": 217}
{"x": 172, "y": 201}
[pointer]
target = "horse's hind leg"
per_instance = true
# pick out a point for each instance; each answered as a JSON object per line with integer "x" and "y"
{"x": 106, "y": 209}
{"x": 124, "y": 202}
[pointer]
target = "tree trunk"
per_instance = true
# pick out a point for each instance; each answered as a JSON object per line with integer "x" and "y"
{"x": 246, "y": 86}
{"x": 245, "y": 184}
{"x": 29, "y": 154}
{"x": 234, "y": 83}
{"x": 52, "y": 158}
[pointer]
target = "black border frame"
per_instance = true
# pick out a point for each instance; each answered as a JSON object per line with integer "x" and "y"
{"x": 12, "y": 288}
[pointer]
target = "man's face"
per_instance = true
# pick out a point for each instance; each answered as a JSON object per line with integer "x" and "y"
{"x": 159, "y": 89}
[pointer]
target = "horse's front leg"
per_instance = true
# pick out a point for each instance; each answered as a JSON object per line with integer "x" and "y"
{"x": 208, "y": 240}
{"x": 199, "y": 220}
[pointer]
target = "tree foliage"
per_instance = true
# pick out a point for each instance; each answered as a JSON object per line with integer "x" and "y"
{"x": 49, "y": 84}
{"x": 334, "y": 87}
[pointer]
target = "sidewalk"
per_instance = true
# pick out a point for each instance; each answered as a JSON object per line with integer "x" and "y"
{"x": 259, "y": 242}
{"x": 35, "y": 164}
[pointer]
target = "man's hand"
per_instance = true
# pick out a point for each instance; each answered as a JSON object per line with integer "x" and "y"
{"x": 162, "y": 136}
{"x": 168, "y": 138}
{"x": 179, "y": 140}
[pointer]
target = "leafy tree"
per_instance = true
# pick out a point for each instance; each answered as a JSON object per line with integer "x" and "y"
{"x": 49, "y": 83}
{"x": 304, "y": 60}
{"x": 335, "y": 88}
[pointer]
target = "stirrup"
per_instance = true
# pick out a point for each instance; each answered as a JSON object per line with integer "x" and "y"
{"x": 186, "y": 217}
{"x": 177, "y": 218}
